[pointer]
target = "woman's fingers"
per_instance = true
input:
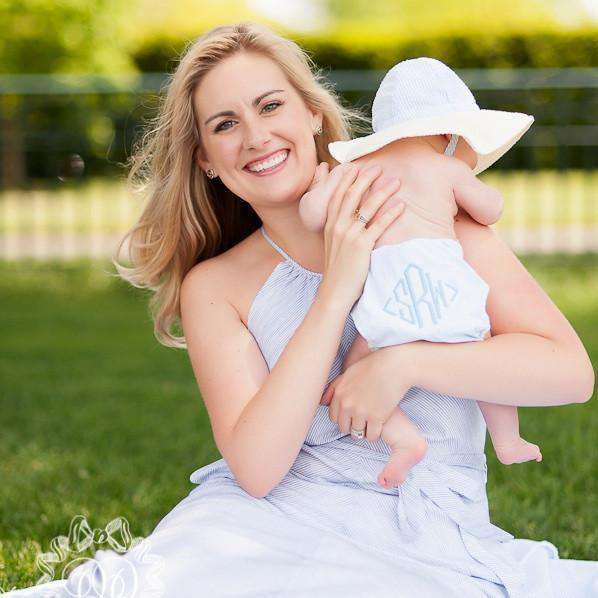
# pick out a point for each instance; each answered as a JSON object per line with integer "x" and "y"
{"x": 382, "y": 222}
{"x": 358, "y": 423}
{"x": 378, "y": 197}
{"x": 333, "y": 179}
{"x": 327, "y": 395}
{"x": 344, "y": 420}
{"x": 356, "y": 192}
{"x": 349, "y": 172}
{"x": 333, "y": 408}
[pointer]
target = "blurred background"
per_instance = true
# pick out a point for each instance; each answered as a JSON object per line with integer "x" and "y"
{"x": 97, "y": 417}
{"x": 78, "y": 79}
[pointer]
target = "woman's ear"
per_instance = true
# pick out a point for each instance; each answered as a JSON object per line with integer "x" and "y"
{"x": 317, "y": 120}
{"x": 201, "y": 159}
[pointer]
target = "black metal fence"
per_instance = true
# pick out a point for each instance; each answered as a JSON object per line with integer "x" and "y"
{"x": 47, "y": 118}
{"x": 63, "y": 138}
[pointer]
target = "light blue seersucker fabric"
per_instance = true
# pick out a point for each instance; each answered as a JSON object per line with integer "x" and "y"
{"x": 328, "y": 529}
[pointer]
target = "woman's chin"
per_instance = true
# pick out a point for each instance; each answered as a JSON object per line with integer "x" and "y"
{"x": 282, "y": 191}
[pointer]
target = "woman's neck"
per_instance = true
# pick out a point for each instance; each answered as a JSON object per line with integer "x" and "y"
{"x": 303, "y": 246}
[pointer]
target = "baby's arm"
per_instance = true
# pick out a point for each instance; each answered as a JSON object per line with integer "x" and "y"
{"x": 482, "y": 202}
{"x": 313, "y": 205}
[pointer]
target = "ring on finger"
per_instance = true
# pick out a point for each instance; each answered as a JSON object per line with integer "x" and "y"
{"x": 359, "y": 434}
{"x": 359, "y": 216}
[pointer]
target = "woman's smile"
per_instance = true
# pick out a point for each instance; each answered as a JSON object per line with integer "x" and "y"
{"x": 271, "y": 164}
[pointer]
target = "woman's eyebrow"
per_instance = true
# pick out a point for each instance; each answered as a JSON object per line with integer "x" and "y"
{"x": 255, "y": 103}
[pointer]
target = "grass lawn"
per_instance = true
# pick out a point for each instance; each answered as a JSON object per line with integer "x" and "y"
{"x": 99, "y": 419}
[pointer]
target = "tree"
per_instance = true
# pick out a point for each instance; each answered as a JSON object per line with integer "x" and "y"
{"x": 49, "y": 36}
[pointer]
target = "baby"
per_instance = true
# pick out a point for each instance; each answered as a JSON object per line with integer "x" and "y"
{"x": 419, "y": 287}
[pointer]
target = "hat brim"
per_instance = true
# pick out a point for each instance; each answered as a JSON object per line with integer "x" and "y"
{"x": 490, "y": 133}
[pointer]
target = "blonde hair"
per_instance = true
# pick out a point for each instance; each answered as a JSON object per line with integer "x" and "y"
{"x": 188, "y": 217}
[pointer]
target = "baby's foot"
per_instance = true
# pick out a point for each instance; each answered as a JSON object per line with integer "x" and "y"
{"x": 400, "y": 462}
{"x": 517, "y": 451}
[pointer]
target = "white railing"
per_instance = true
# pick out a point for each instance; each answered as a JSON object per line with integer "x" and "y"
{"x": 545, "y": 211}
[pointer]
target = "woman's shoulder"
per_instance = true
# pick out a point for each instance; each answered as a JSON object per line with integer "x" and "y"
{"x": 233, "y": 276}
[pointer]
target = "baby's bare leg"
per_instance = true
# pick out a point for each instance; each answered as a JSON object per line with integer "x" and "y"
{"x": 408, "y": 448}
{"x": 503, "y": 426}
{"x": 502, "y": 422}
{"x": 359, "y": 348}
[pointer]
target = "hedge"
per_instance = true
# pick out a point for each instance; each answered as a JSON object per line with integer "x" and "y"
{"x": 472, "y": 50}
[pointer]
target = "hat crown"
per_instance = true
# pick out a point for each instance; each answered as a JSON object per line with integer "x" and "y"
{"x": 419, "y": 88}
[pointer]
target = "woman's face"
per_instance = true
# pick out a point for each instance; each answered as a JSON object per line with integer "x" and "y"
{"x": 265, "y": 120}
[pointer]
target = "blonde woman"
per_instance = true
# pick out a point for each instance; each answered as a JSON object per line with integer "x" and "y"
{"x": 294, "y": 508}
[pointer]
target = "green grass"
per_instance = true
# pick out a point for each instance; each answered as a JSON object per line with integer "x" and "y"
{"x": 99, "y": 419}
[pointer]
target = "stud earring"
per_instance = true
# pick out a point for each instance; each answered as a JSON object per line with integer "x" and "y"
{"x": 211, "y": 174}
{"x": 319, "y": 130}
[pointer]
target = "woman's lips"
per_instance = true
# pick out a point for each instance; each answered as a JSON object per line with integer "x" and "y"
{"x": 272, "y": 170}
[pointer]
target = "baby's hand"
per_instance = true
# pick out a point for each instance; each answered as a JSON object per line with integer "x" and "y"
{"x": 313, "y": 206}
{"x": 482, "y": 202}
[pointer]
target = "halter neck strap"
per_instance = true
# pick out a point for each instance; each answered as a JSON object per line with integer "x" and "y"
{"x": 277, "y": 247}
{"x": 452, "y": 145}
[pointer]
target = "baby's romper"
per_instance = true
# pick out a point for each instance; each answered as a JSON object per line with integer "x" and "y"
{"x": 421, "y": 289}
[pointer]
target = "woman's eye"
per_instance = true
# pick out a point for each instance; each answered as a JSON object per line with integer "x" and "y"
{"x": 275, "y": 104}
{"x": 221, "y": 126}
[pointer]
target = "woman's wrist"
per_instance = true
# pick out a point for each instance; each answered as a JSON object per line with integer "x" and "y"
{"x": 332, "y": 301}
{"x": 401, "y": 360}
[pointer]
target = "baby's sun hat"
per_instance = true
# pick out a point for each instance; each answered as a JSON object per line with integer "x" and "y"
{"x": 423, "y": 96}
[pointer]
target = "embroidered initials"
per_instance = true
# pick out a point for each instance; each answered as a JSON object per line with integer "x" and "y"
{"x": 415, "y": 295}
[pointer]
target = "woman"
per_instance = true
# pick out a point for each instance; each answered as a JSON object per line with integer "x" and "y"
{"x": 293, "y": 508}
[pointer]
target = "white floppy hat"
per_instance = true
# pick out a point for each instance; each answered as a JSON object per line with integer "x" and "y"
{"x": 423, "y": 96}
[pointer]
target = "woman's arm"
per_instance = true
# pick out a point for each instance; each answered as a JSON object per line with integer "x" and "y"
{"x": 254, "y": 412}
{"x": 534, "y": 357}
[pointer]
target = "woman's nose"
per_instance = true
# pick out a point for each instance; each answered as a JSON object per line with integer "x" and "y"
{"x": 256, "y": 134}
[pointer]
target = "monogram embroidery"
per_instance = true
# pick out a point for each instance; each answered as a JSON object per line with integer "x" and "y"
{"x": 415, "y": 296}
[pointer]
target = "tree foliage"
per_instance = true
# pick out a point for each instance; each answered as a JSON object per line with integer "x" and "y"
{"x": 50, "y": 36}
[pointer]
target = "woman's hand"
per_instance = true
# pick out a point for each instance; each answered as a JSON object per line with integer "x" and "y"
{"x": 364, "y": 396}
{"x": 348, "y": 241}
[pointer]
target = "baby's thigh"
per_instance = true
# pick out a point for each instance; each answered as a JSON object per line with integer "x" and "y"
{"x": 359, "y": 348}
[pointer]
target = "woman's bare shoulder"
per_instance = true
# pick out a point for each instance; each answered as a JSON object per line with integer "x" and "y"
{"x": 232, "y": 276}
